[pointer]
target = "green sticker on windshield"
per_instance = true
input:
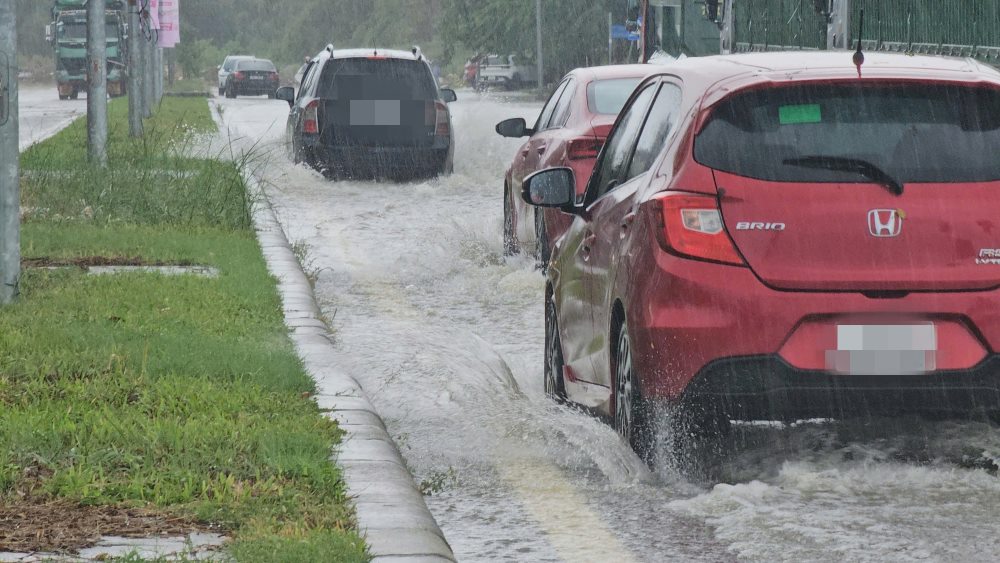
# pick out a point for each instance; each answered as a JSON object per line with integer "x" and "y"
{"x": 806, "y": 113}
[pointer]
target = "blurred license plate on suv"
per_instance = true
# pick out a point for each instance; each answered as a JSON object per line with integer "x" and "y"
{"x": 884, "y": 349}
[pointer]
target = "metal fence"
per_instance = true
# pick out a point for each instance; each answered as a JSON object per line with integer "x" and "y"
{"x": 777, "y": 25}
{"x": 967, "y": 28}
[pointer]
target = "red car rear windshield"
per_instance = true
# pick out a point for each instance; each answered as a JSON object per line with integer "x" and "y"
{"x": 609, "y": 96}
{"x": 914, "y": 132}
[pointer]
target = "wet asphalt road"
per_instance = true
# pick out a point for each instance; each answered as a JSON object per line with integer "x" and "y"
{"x": 42, "y": 113}
{"x": 446, "y": 336}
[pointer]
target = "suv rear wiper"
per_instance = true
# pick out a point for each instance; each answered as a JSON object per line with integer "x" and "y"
{"x": 846, "y": 164}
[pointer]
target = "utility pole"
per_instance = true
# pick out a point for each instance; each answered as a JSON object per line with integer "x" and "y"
{"x": 839, "y": 27}
{"x": 538, "y": 41}
{"x": 134, "y": 72}
{"x": 158, "y": 77}
{"x": 147, "y": 75}
{"x": 97, "y": 84}
{"x": 10, "y": 190}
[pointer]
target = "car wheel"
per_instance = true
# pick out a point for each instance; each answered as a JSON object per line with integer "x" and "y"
{"x": 631, "y": 421}
{"x": 555, "y": 385}
{"x": 542, "y": 250}
{"x": 75, "y": 95}
{"x": 222, "y": 91}
{"x": 230, "y": 91}
{"x": 510, "y": 245}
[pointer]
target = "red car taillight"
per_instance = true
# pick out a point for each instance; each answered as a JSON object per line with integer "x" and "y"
{"x": 310, "y": 118}
{"x": 273, "y": 76}
{"x": 691, "y": 225}
{"x": 584, "y": 147}
{"x": 441, "y": 128}
{"x": 238, "y": 75}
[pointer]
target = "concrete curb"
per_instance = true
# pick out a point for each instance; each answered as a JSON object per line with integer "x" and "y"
{"x": 391, "y": 511}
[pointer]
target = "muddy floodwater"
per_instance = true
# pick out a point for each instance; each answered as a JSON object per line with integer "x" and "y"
{"x": 446, "y": 336}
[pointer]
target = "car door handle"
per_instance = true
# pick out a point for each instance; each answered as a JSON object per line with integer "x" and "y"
{"x": 627, "y": 221}
{"x": 588, "y": 243}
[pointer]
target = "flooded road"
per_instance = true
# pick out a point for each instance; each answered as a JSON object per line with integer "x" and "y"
{"x": 43, "y": 114}
{"x": 446, "y": 336}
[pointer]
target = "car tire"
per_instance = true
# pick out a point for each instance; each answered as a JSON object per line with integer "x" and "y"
{"x": 542, "y": 250}
{"x": 271, "y": 96}
{"x": 553, "y": 382}
{"x": 222, "y": 91}
{"x": 631, "y": 418}
{"x": 75, "y": 95}
{"x": 230, "y": 91}
{"x": 697, "y": 439}
{"x": 510, "y": 244}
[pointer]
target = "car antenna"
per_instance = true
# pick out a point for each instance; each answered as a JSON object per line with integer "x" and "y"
{"x": 859, "y": 57}
{"x": 374, "y": 47}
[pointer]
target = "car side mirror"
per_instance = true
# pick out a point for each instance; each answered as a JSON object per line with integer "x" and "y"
{"x": 49, "y": 35}
{"x": 286, "y": 93}
{"x": 515, "y": 128}
{"x": 552, "y": 187}
{"x": 448, "y": 95}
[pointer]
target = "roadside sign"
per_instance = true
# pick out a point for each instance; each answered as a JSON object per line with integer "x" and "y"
{"x": 170, "y": 22}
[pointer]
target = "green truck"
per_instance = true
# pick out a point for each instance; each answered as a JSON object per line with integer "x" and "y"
{"x": 68, "y": 35}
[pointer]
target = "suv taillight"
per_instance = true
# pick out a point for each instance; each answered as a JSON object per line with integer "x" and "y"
{"x": 310, "y": 118}
{"x": 691, "y": 225}
{"x": 584, "y": 147}
{"x": 441, "y": 127}
{"x": 238, "y": 75}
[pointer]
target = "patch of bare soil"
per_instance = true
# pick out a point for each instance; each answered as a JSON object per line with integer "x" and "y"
{"x": 88, "y": 261}
{"x": 28, "y": 526}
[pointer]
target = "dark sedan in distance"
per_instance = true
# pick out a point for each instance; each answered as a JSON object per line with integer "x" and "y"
{"x": 253, "y": 77}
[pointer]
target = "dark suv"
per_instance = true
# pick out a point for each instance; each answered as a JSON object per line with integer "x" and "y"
{"x": 370, "y": 113}
{"x": 253, "y": 77}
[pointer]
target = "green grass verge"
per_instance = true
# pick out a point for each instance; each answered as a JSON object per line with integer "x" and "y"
{"x": 188, "y": 86}
{"x": 182, "y": 393}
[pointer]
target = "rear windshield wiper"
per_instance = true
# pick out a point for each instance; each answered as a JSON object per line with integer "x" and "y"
{"x": 846, "y": 164}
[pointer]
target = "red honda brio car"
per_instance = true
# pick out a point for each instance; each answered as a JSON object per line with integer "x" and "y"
{"x": 569, "y": 132}
{"x": 783, "y": 236}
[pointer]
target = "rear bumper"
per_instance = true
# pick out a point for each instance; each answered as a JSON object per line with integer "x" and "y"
{"x": 255, "y": 89}
{"x": 766, "y": 387}
{"x": 374, "y": 160}
{"x": 698, "y": 326}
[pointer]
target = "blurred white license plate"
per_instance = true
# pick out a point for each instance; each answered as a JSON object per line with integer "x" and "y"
{"x": 884, "y": 349}
{"x": 375, "y": 112}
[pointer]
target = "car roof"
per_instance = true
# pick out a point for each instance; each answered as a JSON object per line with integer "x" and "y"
{"x": 614, "y": 71}
{"x": 728, "y": 72}
{"x": 375, "y": 52}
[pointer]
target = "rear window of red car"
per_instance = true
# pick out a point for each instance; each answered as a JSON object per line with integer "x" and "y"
{"x": 915, "y": 132}
{"x": 609, "y": 96}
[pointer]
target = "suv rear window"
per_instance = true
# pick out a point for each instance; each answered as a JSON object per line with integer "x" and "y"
{"x": 259, "y": 65}
{"x": 914, "y": 132}
{"x": 377, "y": 79}
{"x": 609, "y": 96}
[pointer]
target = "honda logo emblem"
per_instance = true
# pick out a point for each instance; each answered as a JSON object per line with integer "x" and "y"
{"x": 885, "y": 222}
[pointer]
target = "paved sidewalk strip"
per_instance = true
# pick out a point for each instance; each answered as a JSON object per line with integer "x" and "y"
{"x": 391, "y": 511}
